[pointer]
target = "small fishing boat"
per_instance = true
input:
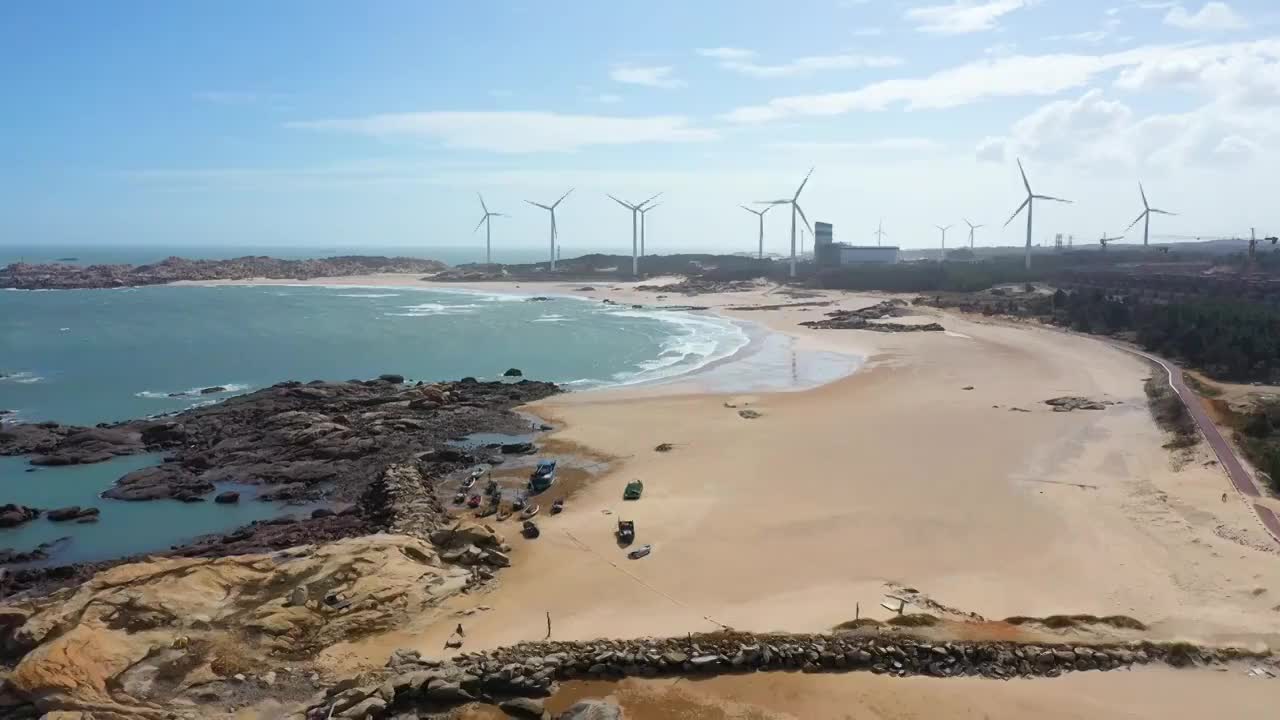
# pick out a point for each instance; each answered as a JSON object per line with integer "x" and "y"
{"x": 633, "y": 491}
{"x": 530, "y": 530}
{"x": 640, "y": 552}
{"x": 503, "y": 515}
{"x": 626, "y": 532}
{"x": 479, "y": 471}
{"x": 529, "y": 512}
{"x": 468, "y": 483}
{"x": 491, "y": 488}
{"x": 473, "y": 501}
{"x": 460, "y": 498}
{"x": 557, "y": 506}
{"x": 544, "y": 475}
{"x": 518, "y": 502}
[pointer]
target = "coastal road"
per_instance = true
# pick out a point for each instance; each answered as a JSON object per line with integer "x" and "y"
{"x": 1230, "y": 462}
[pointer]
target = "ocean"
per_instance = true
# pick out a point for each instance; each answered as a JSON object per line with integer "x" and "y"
{"x": 92, "y": 356}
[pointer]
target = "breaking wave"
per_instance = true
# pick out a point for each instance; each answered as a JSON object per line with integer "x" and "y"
{"x": 22, "y": 378}
{"x": 227, "y": 389}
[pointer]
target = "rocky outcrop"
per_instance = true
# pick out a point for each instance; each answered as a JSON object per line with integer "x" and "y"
{"x": 14, "y": 515}
{"x": 53, "y": 444}
{"x": 532, "y": 670}
{"x": 73, "y": 512}
{"x": 230, "y": 497}
{"x": 156, "y": 483}
{"x": 1069, "y": 403}
{"x": 862, "y": 318}
{"x": 60, "y": 276}
{"x": 513, "y": 372}
{"x": 133, "y": 637}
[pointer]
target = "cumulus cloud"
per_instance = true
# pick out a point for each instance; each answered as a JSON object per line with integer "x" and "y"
{"x": 517, "y": 132}
{"x": 659, "y": 76}
{"x": 742, "y": 62}
{"x": 1213, "y": 16}
{"x": 962, "y": 16}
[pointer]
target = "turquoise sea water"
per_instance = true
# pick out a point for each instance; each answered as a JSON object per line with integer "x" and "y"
{"x": 90, "y": 356}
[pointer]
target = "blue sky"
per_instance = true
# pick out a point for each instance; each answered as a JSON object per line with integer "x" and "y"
{"x": 327, "y": 123}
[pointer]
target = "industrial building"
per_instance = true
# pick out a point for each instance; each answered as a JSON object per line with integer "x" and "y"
{"x": 828, "y": 253}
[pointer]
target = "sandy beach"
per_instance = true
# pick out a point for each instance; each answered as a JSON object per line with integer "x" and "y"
{"x": 937, "y": 467}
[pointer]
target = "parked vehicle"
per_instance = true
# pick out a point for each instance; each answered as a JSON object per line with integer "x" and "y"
{"x": 626, "y": 532}
{"x": 640, "y": 552}
{"x": 633, "y": 491}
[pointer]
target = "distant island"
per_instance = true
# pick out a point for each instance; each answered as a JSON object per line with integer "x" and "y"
{"x": 58, "y": 276}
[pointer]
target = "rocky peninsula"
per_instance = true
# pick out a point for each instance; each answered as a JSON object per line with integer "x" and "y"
{"x": 64, "y": 276}
{"x": 316, "y": 442}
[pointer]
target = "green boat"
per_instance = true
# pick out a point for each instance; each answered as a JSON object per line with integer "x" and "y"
{"x": 633, "y": 491}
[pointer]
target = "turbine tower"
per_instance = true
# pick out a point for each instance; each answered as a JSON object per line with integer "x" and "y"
{"x": 554, "y": 233}
{"x": 794, "y": 202}
{"x": 944, "y": 230}
{"x": 635, "y": 211}
{"x": 972, "y": 227}
{"x": 1146, "y": 215}
{"x": 879, "y": 233}
{"x": 759, "y": 214}
{"x": 642, "y": 214}
{"x": 1028, "y": 205}
{"x": 488, "y": 230}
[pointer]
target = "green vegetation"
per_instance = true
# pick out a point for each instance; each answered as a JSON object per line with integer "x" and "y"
{"x": 1259, "y": 438}
{"x": 913, "y": 620}
{"x": 928, "y": 277}
{"x": 1064, "y": 622}
{"x": 1169, "y": 412}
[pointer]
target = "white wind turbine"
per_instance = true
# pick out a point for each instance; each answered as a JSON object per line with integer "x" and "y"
{"x": 554, "y": 233}
{"x": 1028, "y": 205}
{"x": 1146, "y": 215}
{"x": 488, "y": 230}
{"x": 635, "y": 211}
{"x": 760, "y": 215}
{"x": 944, "y": 229}
{"x": 880, "y": 233}
{"x": 972, "y": 227}
{"x": 644, "y": 210}
{"x": 794, "y": 202}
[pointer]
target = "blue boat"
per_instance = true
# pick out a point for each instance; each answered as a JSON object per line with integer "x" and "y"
{"x": 544, "y": 475}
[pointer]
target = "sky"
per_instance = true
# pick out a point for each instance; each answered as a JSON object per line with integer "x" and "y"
{"x": 348, "y": 124}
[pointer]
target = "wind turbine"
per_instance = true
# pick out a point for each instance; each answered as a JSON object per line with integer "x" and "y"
{"x": 1104, "y": 241}
{"x": 972, "y": 227}
{"x": 944, "y": 230}
{"x": 1028, "y": 205}
{"x": 488, "y": 230}
{"x": 759, "y": 214}
{"x": 554, "y": 233}
{"x": 794, "y": 202}
{"x": 1146, "y": 215}
{"x": 635, "y": 211}
{"x": 879, "y": 233}
{"x": 644, "y": 210}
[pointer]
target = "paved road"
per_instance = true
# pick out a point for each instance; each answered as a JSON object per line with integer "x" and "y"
{"x": 1240, "y": 477}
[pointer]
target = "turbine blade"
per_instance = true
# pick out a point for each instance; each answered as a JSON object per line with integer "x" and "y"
{"x": 802, "y": 217}
{"x": 773, "y": 202}
{"x": 499, "y": 215}
{"x": 544, "y": 207}
{"x": 966, "y": 222}
{"x": 486, "y": 217}
{"x": 1050, "y": 197}
{"x": 645, "y": 210}
{"x": 1162, "y": 212}
{"x": 620, "y": 202}
{"x": 1144, "y": 195}
{"x": 802, "y": 184}
{"x": 1015, "y": 212}
{"x": 646, "y": 202}
{"x": 486, "y": 207}
{"x": 1135, "y": 220}
{"x": 755, "y": 212}
{"x": 1025, "y": 182}
{"x": 562, "y": 197}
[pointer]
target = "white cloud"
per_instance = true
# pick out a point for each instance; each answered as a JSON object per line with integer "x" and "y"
{"x": 662, "y": 76}
{"x": 1013, "y": 76}
{"x": 900, "y": 144}
{"x": 1213, "y": 16}
{"x": 517, "y": 132}
{"x": 962, "y": 16}
{"x": 868, "y": 32}
{"x": 608, "y": 98}
{"x": 809, "y": 65}
{"x": 726, "y": 53}
{"x": 992, "y": 149}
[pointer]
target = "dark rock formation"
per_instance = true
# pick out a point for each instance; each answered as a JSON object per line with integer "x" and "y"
{"x": 39, "y": 552}
{"x": 14, "y": 515}
{"x": 1069, "y": 403}
{"x": 229, "y": 497}
{"x": 169, "y": 480}
{"x": 212, "y": 390}
{"x": 860, "y": 319}
{"x": 513, "y": 372}
{"x": 54, "y": 444}
{"x": 73, "y": 512}
{"x": 59, "y": 276}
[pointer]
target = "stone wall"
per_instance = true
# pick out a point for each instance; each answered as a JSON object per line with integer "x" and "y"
{"x": 532, "y": 669}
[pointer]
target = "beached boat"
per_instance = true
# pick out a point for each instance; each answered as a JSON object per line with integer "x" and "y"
{"x": 530, "y": 530}
{"x": 557, "y": 506}
{"x": 634, "y": 490}
{"x": 503, "y": 515}
{"x": 543, "y": 477}
{"x": 473, "y": 501}
{"x": 468, "y": 483}
{"x": 529, "y": 511}
{"x": 518, "y": 502}
{"x": 640, "y": 552}
{"x": 626, "y": 532}
{"x": 479, "y": 471}
{"x": 491, "y": 488}
{"x": 460, "y": 498}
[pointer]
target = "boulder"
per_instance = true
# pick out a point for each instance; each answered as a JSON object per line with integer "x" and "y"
{"x": 513, "y": 372}
{"x": 13, "y": 515}
{"x": 445, "y": 690}
{"x": 392, "y": 378}
{"x": 592, "y": 710}
{"x": 156, "y": 483}
{"x": 229, "y": 497}
{"x": 322, "y": 513}
{"x": 70, "y": 513}
{"x": 212, "y": 390}
{"x": 518, "y": 448}
{"x": 524, "y": 708}
{"x": 467, "y": 533}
